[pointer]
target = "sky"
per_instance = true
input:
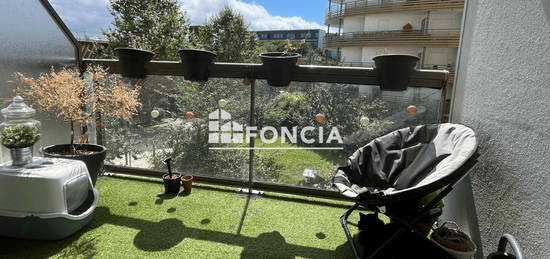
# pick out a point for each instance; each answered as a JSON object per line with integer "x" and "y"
{"x": 86, "y": 18}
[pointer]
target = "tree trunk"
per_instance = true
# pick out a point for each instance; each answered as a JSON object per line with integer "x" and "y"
{"x": 73, "y": 150}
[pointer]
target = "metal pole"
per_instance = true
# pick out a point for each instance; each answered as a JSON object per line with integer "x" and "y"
{"x": 340, "y": 19}
{"x": 251, "y": 138}
{"x": 428, "y": 22}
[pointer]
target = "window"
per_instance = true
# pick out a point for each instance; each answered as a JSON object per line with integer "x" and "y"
{"x": 278, "y": 36}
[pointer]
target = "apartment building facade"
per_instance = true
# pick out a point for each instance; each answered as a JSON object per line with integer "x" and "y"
{"x": 362, "y": 29}
{"x": 359, "y": 30}
{"x": 314, "y": 38}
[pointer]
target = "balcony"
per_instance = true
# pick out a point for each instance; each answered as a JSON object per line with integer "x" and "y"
{"x": 364, "y": 7}
{"x": 276, "y": 200}
{"x": 294, "y": 217}
{"x": 432, "y": 37}
{"x": 297, "y": 215}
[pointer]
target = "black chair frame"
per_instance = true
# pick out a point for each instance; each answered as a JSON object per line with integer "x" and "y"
{"x": 375, "y": 204}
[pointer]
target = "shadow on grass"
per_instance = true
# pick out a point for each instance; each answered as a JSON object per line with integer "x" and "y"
{"x": 165, "y": 234}
{"x": 161, "y": 236}
{"x": 75, "y": 246}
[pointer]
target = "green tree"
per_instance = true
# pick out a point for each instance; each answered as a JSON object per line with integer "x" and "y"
{"x": 310, "y": 54}
{"x": 157, "y": 25}
{"x": 227, "y": 35}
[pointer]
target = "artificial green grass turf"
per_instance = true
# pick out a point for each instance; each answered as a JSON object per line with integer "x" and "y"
{"x": 294, "y": 161}
{"x": 212, "y": 222}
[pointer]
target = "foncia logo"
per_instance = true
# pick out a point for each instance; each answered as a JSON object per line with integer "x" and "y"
{"x": 222, "y": 130}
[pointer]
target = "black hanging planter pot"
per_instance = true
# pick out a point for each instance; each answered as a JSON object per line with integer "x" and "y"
{"x": 279, "y": 67}
{"x": 92, "y": 155}
{"x": 132, "y": 61}
{"x": 195, "y": 64}
{"x": 394, "y": 70}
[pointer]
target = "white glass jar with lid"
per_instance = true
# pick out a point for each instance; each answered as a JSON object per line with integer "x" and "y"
{"x": 19, "y": 131}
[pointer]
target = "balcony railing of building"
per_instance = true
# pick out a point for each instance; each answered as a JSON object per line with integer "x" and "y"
{"x": 448, "y": 67}
{"x": 429, "y": 84}
{"x": 431, "y": 37}
{"x": 362, "y": 7}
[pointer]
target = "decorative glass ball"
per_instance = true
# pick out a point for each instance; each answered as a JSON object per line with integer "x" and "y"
{"x": 364, "y": 121}
{"x": 320, "y": 117}
{"x": 222, "y": 103}
{"x": 247, "y": 81}
{"x": 189, "y": 115}
{"x": 411, "y": 109}
{"x": 155, "y": 114}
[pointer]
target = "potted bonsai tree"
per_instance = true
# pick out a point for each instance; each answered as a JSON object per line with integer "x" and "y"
{"x": 20, "y": 140}
{"x": 68, "y": 96}
{"x": 279, "y": 66}
{"x": 133, "y": 58}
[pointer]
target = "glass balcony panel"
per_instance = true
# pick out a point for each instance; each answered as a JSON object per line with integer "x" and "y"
{"x": 197, "y": 124}
{"x": 359, "y": 113}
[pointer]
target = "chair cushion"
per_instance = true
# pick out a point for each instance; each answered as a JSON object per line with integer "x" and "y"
{"x": 406, "y": 159}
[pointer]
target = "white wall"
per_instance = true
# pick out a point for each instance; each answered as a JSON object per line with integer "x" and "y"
{"x": 439, "y": 20}
{"x": 503, "y": 92}
{"x": 371, "y": 52}
{"x": 353, "y": 24}
{"x": 393, "y": 21}
{"x": 447, "y": 19}
{"x": 434, "y": 55}
{"x": 351, "y": 54}
{"x": 440, "y": 56}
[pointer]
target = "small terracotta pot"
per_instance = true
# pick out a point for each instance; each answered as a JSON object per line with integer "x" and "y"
{"x": 187, "y": 181}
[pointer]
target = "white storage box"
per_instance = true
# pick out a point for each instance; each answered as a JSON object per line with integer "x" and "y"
{"x": 47, "y": 200}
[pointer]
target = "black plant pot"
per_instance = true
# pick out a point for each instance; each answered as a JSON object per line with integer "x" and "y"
{"x": 94, "y": 161}
{"x": 195, "y": 64}
{"x": 172, "y": 185}
{"x": 279, "y": 67}
{"x": 394, "y": 71}
{"x": 132, "y": 61}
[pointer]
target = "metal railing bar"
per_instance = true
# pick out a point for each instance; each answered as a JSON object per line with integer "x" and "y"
{"x": 257, "y": 185}
{"x": 351, "y": 8}
{"x": 59, "y": 22}
{"x": 303, "y": 73}
{"x": 415, "y": 32}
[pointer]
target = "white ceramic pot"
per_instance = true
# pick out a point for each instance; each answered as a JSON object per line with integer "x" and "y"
{"x": 458, "y": 254}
